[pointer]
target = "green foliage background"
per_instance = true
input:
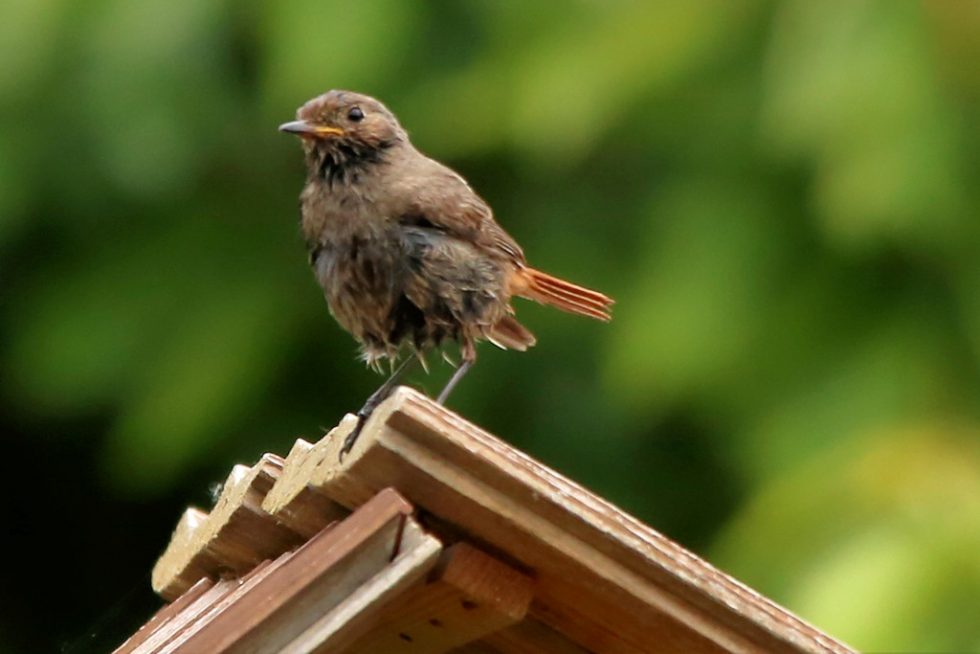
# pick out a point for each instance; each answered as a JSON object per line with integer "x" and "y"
{"x": 782, "y": 196}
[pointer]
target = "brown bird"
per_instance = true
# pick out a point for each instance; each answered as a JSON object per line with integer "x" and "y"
{"x": 408, "y": 255}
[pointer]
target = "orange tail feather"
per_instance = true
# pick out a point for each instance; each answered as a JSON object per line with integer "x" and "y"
{"x": 542, "y": 287}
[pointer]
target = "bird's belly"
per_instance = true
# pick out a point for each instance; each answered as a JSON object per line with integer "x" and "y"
{"x": 361, "y": 282}
{"x": 406, "y": 287}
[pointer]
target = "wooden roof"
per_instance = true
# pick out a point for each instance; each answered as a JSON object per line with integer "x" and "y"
{"x": 434, "y": 536}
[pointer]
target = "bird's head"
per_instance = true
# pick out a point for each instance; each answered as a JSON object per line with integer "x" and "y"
{"x": 347, "y": 124}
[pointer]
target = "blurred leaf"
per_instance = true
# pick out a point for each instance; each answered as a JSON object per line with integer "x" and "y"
{"x": 576, "y": 82}
{"x": 29, "y": 31}
{"x": 852, "y": 88}
{"x": 869, "y": 540}
{"x": 215, "y": 362}
{"x": 314, "y": 46}
{"x": 683, "y": 326}
{"x": 968, "y": 296}
{"x": 79, "y": 330}
{"x": 151, "y": 90}
{"x": 891, "y": 375}
{"x": 14, "y": 188}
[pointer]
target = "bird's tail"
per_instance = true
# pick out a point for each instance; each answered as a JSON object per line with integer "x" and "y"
{"x": 511, "y": 335}
{"x": 542, "y": 287}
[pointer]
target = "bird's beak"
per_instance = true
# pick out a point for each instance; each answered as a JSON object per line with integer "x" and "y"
{"x": 308, "y": 130}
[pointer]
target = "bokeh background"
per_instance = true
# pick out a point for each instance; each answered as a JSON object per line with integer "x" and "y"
{"x": 782, "y": 196}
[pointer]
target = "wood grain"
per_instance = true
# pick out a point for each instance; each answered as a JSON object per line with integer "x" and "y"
{"x": 162, "y": 617}
{"x": 538, "y": 565}
{"x": 605, "y": 580}
{"x": 233, "y": 538}
{"x": 292, "y": 500}
{"x": 530, "y": 636}
{"x": 265, "y": 616}
{"x": 470, "y": 596}
{"x": 361, "y": 612}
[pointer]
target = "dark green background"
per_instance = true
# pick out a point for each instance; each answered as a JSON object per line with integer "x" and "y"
{"x": 782, "y": 197}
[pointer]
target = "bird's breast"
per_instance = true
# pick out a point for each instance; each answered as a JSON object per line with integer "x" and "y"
{"x": 338, "y": 214}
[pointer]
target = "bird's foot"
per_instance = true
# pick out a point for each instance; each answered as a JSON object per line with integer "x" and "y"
{"x": 377, "y": 397}
{"x": 351, "y": 438}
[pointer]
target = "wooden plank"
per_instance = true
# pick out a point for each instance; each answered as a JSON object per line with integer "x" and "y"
{"x": 182, "y": 543}
{"x": 292, "y": 502}
{"x": 184, "y": 619}
{"x": 472, "y": 595}
{"x": 235, "y": 590}
{"x": 272, "y": 612}
{"x": 357, "y": 614}
{"x": 164, "y": 615}
{"x": 604, "y": 579}
{"x": 528, "y": 637}
{"x": 234, "y": 537}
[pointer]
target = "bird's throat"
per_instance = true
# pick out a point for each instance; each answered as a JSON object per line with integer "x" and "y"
{"x": 345, "y": 162}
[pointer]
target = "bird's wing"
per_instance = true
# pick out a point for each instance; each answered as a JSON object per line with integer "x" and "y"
{"x": 438, "y": 198}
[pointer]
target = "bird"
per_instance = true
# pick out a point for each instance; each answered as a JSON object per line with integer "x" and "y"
{"x": 409, "y": 257}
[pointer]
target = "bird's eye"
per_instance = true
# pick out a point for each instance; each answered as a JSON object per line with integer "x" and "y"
{"x": 355, "y": 114}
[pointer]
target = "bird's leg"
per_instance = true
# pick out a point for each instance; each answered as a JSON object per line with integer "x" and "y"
{"x": 377, "y": 397}
{"x": 468, "y": 359}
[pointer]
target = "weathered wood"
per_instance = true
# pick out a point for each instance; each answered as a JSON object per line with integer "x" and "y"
{"x": 603, "y": 582}
{"x": 181, "y": 565}
{"x": 527, "y": 637}
{"x": 264, "y": 616}
{"x": 234, "y": 537}
{"x": 172, "y": 629}
{"x": 168, "y": 612}
{"x": 182, "y": 641}
{"x": 470, "y": 596}
{"x": 292, "y": 501}
{"x": 350, "y": 620}
{"x": 604, "y": 579}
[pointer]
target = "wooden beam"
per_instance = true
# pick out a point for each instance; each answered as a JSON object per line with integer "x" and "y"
{"x": 336, "y": 630}
{"x": 604, "y": 579}
{"x": 232, "y": 590}
{"x": 292, "y": 501}
{"x": 234, "y": 537}
{"x": 197, "y": 610}
{"x": 162, "y": 617}
{"x": 267, "y": 615}
{"x": 529, "y": 636}
{"x": 470, "y": 596}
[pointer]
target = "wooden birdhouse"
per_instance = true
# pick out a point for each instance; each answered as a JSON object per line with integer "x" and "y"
{"x": 432, "y": 536}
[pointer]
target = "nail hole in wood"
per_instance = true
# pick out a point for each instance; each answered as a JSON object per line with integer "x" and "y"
{"x": 469, "y": 605}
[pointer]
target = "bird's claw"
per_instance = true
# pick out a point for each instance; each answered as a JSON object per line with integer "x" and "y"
{"x": 351, "y": 438}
